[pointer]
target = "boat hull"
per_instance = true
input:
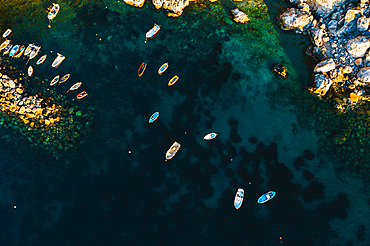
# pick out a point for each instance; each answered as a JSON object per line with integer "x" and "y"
{"x": 54, "y": 11}
{"x": 173, "y": 80}
{"x": 7, "y": 32}
{"x": 14, "y": 50}
{"x": 163, "y": 68}
{"x": 266, "y": 197}
{"x": 154, "y": 117}
{"x": 152, "y": 32}
{"x": 30, "y": 71}
{"x": 4, "y": 44}
{"x": 58, "y": 60}
{"x": 171, "y": 152}
{"x": 55, "y": 80}
{"x": 239, "y": 197}
{"x": 20, "y": 52}
{"x": 141, "y": 69}
{"x": 41, "y": 60}
{"x": 210, "y": 136}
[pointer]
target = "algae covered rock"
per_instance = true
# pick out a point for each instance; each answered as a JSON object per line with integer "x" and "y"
{"x": 239, "y": 16}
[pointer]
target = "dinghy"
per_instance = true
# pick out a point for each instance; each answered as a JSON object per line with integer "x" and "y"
{"x": 171, "y": 152}
{"x": 34, "y": 51}
{"x": 150, "y": 34}
{"x": 6, "y": 33}
{"x": 14, "y": 50}
{"x": 41, "y": 60}
{"x": 20, "y": 52}
{"x": 55, "y": 80}
{"x": 266, "y": 197}
{"x": 154, "y": 117}
{"x": 81, "y": 95}
{"x": 75, "y": 86}
{"x": 173, "y": 80}
{"x": 64, "y": 78}
{"x": 238, "y": 200}
{"x": 53, "y": 11}
{"x": 210, "y": 136}
{"x": 163, "y": 68}
{"x": 4, "y": 44}
{"x": 141, "y": 69}
{"x": 58, "y": 60}
{"x": 30, "y": 71}
{"x": 7, "y": 49}
{"x": 28, "y": 49}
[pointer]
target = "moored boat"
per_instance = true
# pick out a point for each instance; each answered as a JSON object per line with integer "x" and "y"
{"x": 7, "y": 32}
{"x": 14, "y": 50}
{"x": 4, "y": 44}
{"x": 75, "y": 86}
{"x": 210, "y": 136}
{"x": 154, "y": 117}
{"x": 81, "y": 95}
{"x": 171, "y": 152}
{"x": 163, "y": 68}
{"x": 239, "y": 196}
{"x": 266, "y": 197}
{"x": 34, "y": 51}
{"x": 41, "y": 60}
{"x": 53, "y": 11}
{"x": 58, "y": 60}
{"x": 55, "y": 80}
{"x": 173, "y": 80}
{"x": 64, "y": 78}
{"x": 28, "y": 50}
{"x": 30, "y": 71}
{"x": 20, "y": 52}
{"x": 7, "y": 49}
{"x": 155, "y": 29}
{"x": 141, "y": 69}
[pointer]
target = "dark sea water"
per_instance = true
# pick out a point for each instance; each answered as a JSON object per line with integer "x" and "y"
{"x": 115, "y": 187}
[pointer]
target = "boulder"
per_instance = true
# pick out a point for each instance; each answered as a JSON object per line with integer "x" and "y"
{"x": 364, "y": 74}
{"x": 136, "y": 3}
{"x": 324, "y": 66}
{"x": 351, "y": 15}
{"x": 175, "y": 7}
{"x": 363, "y": 23}
{"x": 322, "y": 84}
{"x": 357, "y": 46}
{"x": 323, "y": 8}
{"x": 316, "y": 35}
{"x": 239, "y": 16}
{"x": 295, "y": 19}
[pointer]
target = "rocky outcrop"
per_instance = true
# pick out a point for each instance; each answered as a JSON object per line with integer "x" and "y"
{"x": 358, "y": 46}
{"x": 295, "y": 19}
{"x": 174, "y": 7}
{"x": 325, "y": 66}
{"x": 364, "y": 75}
{"x": 136, "y": 3}
{"x": 363, "y": 23}
{"x": 239, "y": 16}
{"x": 324, "y": 8}
{"x": 321, "y": 85}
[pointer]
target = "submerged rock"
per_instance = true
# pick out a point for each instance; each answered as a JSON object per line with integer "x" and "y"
{"x": 239, "y": 16}
{"x": 295, "y": 19}
{"x": 280, "y": 70}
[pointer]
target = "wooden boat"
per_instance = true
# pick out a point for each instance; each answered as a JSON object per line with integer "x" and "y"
{"x": 75, "y": 86}
{"x": 20, "y": 52}
{"x": 238, "y": 200}
{"x": 53, "y": 11}
{"x": 173, "y": 80}
{"x": 171, "y": 152}
{"x": 14, "y": 50}
{"x": 58, "y": 60}
{"x": 163, "y": 68}
{"x": 6, "y": 33}
{"x": 81, "y": 95}
{"x": 64, "y": 78}
{"x": 154, "y": 117}
{"x": 4, "y": 44}
{"x": 141, "y": 69}
{"x": 150, "y": 34}
{"x": 28, "y": 50}
{"x": 41, "y": 60}
{"x": 210, "y": 136}
{"x": 55, "y": 80}
{"x": 7, "y": 49}
{"x": 30, "y": 71}
{"x": 34, "y": 51}
{"x": 266, "y": 197}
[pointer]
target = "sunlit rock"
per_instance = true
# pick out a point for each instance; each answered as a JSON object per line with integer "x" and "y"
{"x": 357, "y": 46}
{"x": 321, "y": 85}
{"x": 324, "y": 66}
{"x": 351, "y": 15}
{"x": 239, "y": 16}
{"x": 363, "y": 23}
{"x": 295, "y": 19}
{"x": 136, "y": 3}
{"x": 324, "y": 8}
{"x": 175, "y": 7}
{"x": 364, "y": 74}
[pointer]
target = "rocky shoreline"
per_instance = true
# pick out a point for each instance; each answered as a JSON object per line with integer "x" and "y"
{"x": 340, "y": 39}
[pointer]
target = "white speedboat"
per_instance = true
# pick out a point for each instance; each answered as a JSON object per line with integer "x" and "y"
{"x": 53, "y": 11}
{"x": 163, "y": 68}
{"x": 266, "y": 197}
{"x": 153, "y": 31}
{"x": 28, "y": 50}
{"x": 171, "y": 152}
{"x": 6, "y": 33}
{"x": 210, "y": 136}
{"x": 41, "y": 60}
{"x": 58, "y": 60}
{"x": 34, "y": 51}
{"x": 30, "y": 71}
{"x": 55, "y": 80}
{"x": 239, "y": 196}
{"x": 75, "y": 86}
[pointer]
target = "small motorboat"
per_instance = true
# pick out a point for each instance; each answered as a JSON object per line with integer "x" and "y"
{"x": 34, "y": 51}
{"x": 141, "y": 69}
{"x": 7, "y": 49}
{"x": 173, "y": 80}
{"x": 266, "y": 197}
{"x": 171, "y": 152}
{"x": 53, "y": 11}
{"x": 41, "y": 60}
{"x": 75, "y": 86}
{"x": 55, "y": 80}
{"x": 64, "y": 78}
{"x": 4, "y": 44}
{"x": 30, "y": 71}
{"x": 81, "y": 95}
{"x": 20, "y": 52}
{"x": 153, "y": 117}
{"x": 210, "y": 136}
{"x": 238, "y": 200}
{"x": 6, "y": 33}
{"x": 58, "y": 60}
{"x": 14, "y": 50}
{"x": 153, "y": 31}
{"x": 163, "y": 68}
{"x": 28, "y": 49}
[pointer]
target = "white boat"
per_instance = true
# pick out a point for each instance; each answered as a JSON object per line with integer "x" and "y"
{"x": 55, "y": 80}
{"x": 28, "y": 50}
{"x": 210, "y": 136}
{"x": 171, "y": 152}
{"x": 266, "y": 197}
{"x": 154, "y": 117}
{"x": 58, "y": 60}
{"x": 6, "y": 33}
{"x": 163, "y": 68}
{"x": 30, "y": 71}
{"x": 14, "y": 50}
{"x": 238, "y": 200}
{"x": 153, "y": 31}
{"x": 53, "y": 11}
{"x": 34, "y": 51}
{"x": 4, "y": 44}
{"x": 41, "y": 60}
{"x": 75, "y": 86}
{"x": 64, "y": 78}
{"x": 7, "y": 49}
{"x": 20, "y": 52}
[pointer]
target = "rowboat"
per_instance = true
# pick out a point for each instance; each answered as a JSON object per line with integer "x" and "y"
{"x": 163, "y": 68}
{"x": 28, "y": 49}
{"x": 55, "y": 80}
{"x": 153, "y": 31}
{"x": 64, "y": 78}
{"x": 171, "y": 152}
{"x": 141, "y": 69}
{"x": 7, "y": 49}
{"x": 20, "y": 52}
{"x": 75, "y": 86}
{"x": 238, "y": 200}
{"x": 6, "y": 33}
{"x": 34, "y": 51}
{"x": 41, "y": 60}
{"x": 266, "y": 197}
{"x": 30, "y": 71}
{"x": 173, "y": 80}
{"x": 81, "y": 95}
{"x": 153, "y": 117}
{"x": 4, "y": 44}
{"x": 210, "y": 136}
{"x": 53, "y": 11}
{"x": 58, "y": 60}
{"x": 14, "y": 50}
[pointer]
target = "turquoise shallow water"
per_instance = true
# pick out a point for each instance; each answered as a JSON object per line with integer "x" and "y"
{"x": 116, "y": 189}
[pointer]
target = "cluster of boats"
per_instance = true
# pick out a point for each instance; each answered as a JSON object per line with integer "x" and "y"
{"x": 239, "y": 197}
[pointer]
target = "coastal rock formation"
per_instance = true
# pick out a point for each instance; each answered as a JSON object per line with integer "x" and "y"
{"x": 136, "y": 3}
{"x": 322, "y": 84}
{"x": 239, "y": 16}
{"x": 364, "y": 75}
{"x": 324, "y": 8}
{"x": 358, "y": 46}
{"x": 325, "y": 66}
{"x": 295, "y": 19}
{"x": 175, "y": 7}
{"x": 363, "y": 23}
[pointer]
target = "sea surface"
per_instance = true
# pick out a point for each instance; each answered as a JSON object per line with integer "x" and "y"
{"x": 114, "y": 186}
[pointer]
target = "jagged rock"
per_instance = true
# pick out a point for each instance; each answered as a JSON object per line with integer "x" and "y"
{"x": 239, "y": 16}
{"x": 322, "y": 84}
{"x": 363, "y": 23}
{"x": 316, "y": 35}
{"x": 295, "y": 19}
{"x": 332, "y": 27}
{"x": 136, "y": 3}
{"x": 351, "y": 15}
{"x": 324, "y": 8}
{"x": 175, "y": 7}
{"x": 281, "y": 70}
{"x": 325, "y": 66}
{"x": 357, "y": 46}
{"x": 364, "y": 74}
